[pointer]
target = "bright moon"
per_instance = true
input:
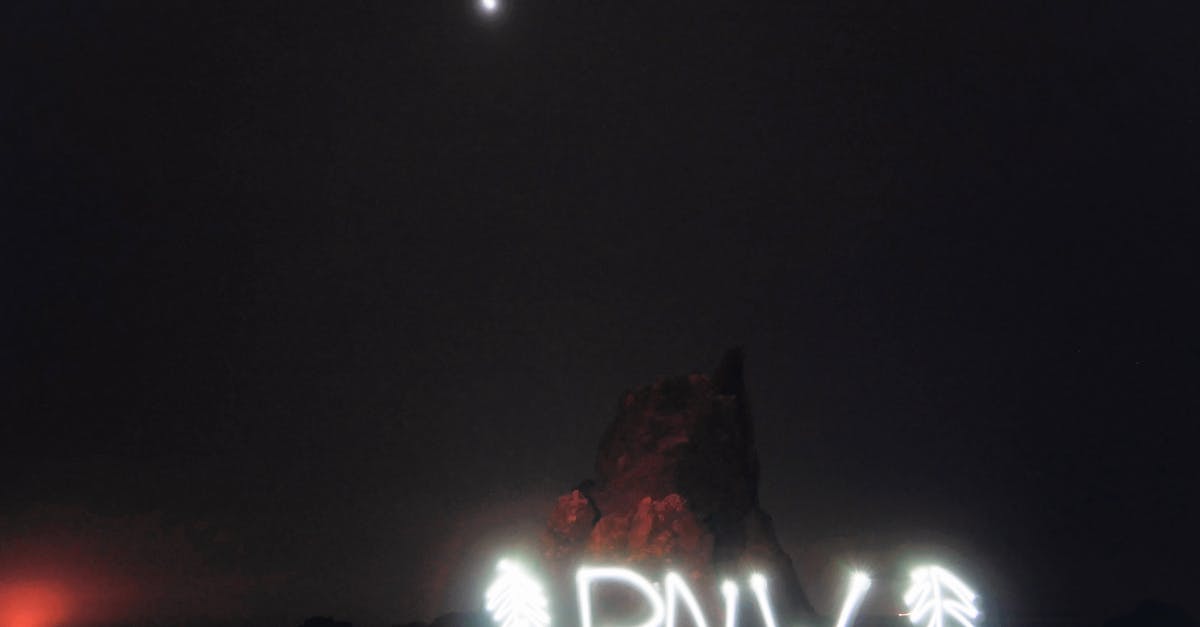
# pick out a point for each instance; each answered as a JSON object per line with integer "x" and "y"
{"x": 489, "y": 6}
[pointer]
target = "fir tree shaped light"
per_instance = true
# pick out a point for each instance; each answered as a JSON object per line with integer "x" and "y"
{"x": 936, "y": 594}
{"x": 516, "y": 599}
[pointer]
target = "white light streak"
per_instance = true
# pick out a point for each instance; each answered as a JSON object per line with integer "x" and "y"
{"x": 928, "y": 597}
{"x": 729, "y": 590}
{"x": 516, "y": 599}
{"x": 585, "y": 576}
{"x": 859, "y": 584}
{"x": 758, "y": 583}
{"x": 677, "y": 587}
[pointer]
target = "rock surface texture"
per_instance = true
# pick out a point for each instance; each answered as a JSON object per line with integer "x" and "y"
{"x": 676, "y": 488}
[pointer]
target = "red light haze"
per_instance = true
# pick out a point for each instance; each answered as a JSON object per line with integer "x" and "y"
{"x": 33, "y": 604}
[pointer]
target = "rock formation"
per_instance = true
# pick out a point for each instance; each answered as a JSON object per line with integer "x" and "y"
{"x": 676, "y": 488}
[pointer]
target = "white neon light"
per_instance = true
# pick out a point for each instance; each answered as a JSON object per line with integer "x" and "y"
{"x": 585, "y": 576}
{"x": 937, "y": 593}
{"x": 729, "y": 590}
{"x": 677, "y": 587}
{"x": 489, "y": 6}
{"x": 859, "y": 584}
{"x": 516, "y": 599}
{"x": 758, "y": 583}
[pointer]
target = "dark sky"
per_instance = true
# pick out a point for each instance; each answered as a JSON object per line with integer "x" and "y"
{"x": 309, "y": 307}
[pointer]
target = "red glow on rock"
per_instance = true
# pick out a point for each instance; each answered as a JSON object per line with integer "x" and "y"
{"x": 32, "y": 604}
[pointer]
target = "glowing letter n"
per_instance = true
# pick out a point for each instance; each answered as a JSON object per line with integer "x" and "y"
{"x": 677, "y": 587}
{"x": 586, "y": 576}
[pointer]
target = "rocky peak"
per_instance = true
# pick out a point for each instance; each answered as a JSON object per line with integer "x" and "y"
{"x": 676, "y": 487}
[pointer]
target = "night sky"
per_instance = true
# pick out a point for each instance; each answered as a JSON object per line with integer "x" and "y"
{"x": 314, "y": 308}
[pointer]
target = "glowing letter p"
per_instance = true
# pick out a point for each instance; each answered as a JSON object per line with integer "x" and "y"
{"x": 586, "y": 576}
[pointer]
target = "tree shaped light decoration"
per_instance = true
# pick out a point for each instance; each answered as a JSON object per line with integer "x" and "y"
{"x": 935, "y": 594}
{"x": 516, "y": 599}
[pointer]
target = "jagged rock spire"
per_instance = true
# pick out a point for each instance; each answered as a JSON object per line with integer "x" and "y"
{"x": 677, "y": 487}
